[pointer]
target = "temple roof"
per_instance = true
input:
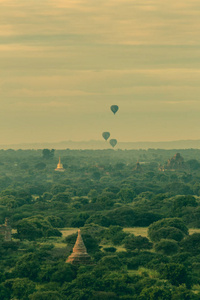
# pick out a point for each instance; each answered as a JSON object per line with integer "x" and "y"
{"x": 79, "y": 246}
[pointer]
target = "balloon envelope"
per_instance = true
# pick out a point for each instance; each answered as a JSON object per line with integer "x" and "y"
{"x": 114, "y": 108}
{"x": 106, "y": 135}
{"x": 113, "y": 142}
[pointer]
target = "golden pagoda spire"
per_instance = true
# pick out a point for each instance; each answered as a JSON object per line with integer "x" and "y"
{"x": 59, "y": 166}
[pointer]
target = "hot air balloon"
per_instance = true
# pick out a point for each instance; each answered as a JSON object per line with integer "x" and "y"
{"x": 106, "y": 135}
{"x": 113, "y": 142}
{"x": 114, "y": 108}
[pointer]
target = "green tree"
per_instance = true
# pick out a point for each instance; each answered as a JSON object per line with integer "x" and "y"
{"x": 64, "y": 273}
{"x": 48, "y": 154}
{"x": 132, "y": 243}
{"x": 35, "y": 227}
{"x": 46, "y": 295}
{"x": 191, "y": 244}
{"x": 21, "y": 287}
{"x": 5, "y": 293}
{"x": 183, "y": 201}
{"x": 126, "y": 195}
{"x": 27, "y": 266}
{"x": 116, "y": 234}
{"x": 171, "y": 233}
{"x": 155, "y": 293}
{"x": 166, "y": 247}
{"x": 176, "y": 274}
{"x": 62, "y": 197}
{"x": 168, "y": 222}
{"x": 112, "y": 262}
{"x": 182, "y": 293}
{"x": 40, "y": 166}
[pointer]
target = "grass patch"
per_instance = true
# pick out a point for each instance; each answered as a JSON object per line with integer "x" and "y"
{"x": 67, "y": 231}
{"x": 194, "y": 230}
{"x": 137, "y": 231}
{"x": 143, "y": 230}
{"x": 60, "y": 245}
{"x": 144, "y": 272}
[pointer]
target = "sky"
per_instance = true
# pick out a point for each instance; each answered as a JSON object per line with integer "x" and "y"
{"x": 63, "y": 63}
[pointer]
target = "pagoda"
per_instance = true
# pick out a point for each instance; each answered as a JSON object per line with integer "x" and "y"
{"x": 176, "y": 162}
{"x": 6, "y": 231}
{"x": 79, "y": 255}
{"x": 60, "y": 166}
{"x": 138, "y": 167}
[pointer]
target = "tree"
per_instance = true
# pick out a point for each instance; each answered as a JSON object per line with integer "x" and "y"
{"x": 115, "y": 281}
{"x": 168, "y": 222}
{"x": 46, "y": 295}
{"x": 175, "y": 273}
{"x": 193, "y": 164}
{"x": 27, "y": 266}
{"x": 47, "y": 154}
{"x": 183, "y": 201}
{"x": 171, "y": 233}
{"x": 64, "y": 273}
{"x": 35, "y": 227}
{"x": 62, "y": 197}
{"x": 110, "y": 249}
{"x": 40, "y": 166}
{"x": 191, "y": 244}
{"x": 155, "y": 293}
{"x": 166, "y": 247}
{"x": 20, "y": 287}
{"x": 126, "y": 195}
{"x": 104, "y": 296}
{"x": 182, "y": 293}
{"x": 116, "y": 234}
{"x": 5, "y": 293}
{"x": 112, "y": 262}
{"x": 132, "y": 242}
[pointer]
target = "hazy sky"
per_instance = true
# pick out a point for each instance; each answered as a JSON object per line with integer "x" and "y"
{"x": 64, "y": 62}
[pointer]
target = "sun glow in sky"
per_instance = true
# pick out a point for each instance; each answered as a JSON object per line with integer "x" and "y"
{"x": 63, "y": 63}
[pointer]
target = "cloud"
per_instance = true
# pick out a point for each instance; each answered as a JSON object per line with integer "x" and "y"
{"x": 108, "y": 22}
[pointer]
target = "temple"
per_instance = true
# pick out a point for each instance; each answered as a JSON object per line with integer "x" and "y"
{"x": 59, "y": 167}
{"x": 138, "y": 167}
{"x": 79, "y": 255}
{"x": 6, "y": 231}
{"x": 176, "y": 162}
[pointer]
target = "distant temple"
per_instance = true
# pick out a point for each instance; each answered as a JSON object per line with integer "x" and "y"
{"x": 59, "y": 167}
{"x": 79, "y": 255}
{"x": 138, "y": 167}
{"x": 176, "y": 162}
{"x": 6, "y": 230}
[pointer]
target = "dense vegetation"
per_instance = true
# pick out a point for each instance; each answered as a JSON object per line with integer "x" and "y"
{"x": 102, "y": 192}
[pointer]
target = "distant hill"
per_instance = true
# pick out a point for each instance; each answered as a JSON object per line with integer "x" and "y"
{"x": 182, "y": 144}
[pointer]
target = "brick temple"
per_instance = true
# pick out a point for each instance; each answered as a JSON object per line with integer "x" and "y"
{"x": 79, "y": 254}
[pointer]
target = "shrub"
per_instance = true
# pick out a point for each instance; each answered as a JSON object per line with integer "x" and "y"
{"x": 170, "y": 233}
{"x": 168, "y": 222}
{"x": 191, "y": 243}
{"x": 137, "y": 242}
{"x": 166, "y": 247}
